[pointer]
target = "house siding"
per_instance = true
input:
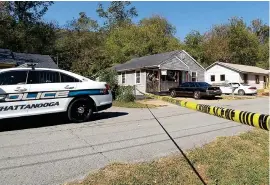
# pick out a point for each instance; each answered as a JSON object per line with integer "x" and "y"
{"x": 217, "y": 70}
{"x": 252, "y": 80}
{"x": 193, "y": 66}
{"x": 232, "y": 76}
{"x": 131, "y": 80}
{"x": 174, "y": 64}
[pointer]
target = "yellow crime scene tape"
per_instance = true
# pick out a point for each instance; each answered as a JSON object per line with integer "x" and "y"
{"x": 244, "y": 117}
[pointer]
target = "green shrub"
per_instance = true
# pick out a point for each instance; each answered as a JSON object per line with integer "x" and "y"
{"x": 125, "y": 94}
{"x": 109, "y": 76}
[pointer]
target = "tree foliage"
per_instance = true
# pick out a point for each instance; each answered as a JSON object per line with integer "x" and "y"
{"x": 151, "y": 36}
{"x": 117, "y": 14}
{"x": 85, "y": 47}
{"x": 21, "y": 29}
{"x": 194, "y": 45}
{"x": 28, "y": 11}
{"x": 243, "y": 45}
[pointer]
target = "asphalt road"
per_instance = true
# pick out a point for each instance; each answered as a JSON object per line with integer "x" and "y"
{"x": 46, "y": 150}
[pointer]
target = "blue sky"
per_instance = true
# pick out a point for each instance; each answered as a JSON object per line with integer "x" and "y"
{"x": 185, "y": 16}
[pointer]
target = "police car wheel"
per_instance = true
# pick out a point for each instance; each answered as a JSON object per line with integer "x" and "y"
{"x": 80, "y": 110}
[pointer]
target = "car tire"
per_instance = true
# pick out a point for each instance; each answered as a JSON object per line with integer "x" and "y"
{"x": 80, "y": 110}
{"x": 173, "y": 94}
{"x": 197, "y": 95}
{"x": 241, "y": 92}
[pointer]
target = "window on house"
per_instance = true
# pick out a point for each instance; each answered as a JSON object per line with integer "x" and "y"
{"x": 264, "y": 78}
{"x": 213, "y": 78}
{"x": 194, "y": 76}
{"x": 245, "y": 78}
{"x": 138, "y": 77}
{"x": 257, "y": 79}
{"x": 123, "y": 78}
{"x": 222, "y": 77}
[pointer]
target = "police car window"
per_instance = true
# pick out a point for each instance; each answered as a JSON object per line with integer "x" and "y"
{"x": 67, "y": 78}
{"x": 39, "y": 77}
{"x": 13, "y": 78}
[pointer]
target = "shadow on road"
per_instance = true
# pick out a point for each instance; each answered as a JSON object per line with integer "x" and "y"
{"x": 212, "y": 98}
{"x": 48, "y": 120}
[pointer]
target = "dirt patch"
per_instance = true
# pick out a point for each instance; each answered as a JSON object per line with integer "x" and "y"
{"x": 158, "y": 103}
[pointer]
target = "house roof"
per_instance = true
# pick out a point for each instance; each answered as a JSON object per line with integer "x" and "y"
{"x": 6, "y": 57}
{"x": 9, "y": 57}
{"x": 146, "y": 61}
{"x": 240, "y": 68}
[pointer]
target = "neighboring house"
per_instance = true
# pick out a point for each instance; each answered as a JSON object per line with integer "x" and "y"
{"x": 13, "y": 59}
{"x": 157, "y": 73}
{"x": 220, "y": 72}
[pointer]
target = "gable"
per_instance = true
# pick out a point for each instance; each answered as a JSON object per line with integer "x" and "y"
{"x": 216, "y": 68}
{"x": 189, "y": 60}
{"x": 174, "y": 63}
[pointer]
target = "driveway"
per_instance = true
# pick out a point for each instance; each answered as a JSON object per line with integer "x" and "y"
{"x": 46, "y": 150}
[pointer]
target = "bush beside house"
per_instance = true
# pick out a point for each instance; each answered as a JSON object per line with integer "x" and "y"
{"x": 120, "y": 93}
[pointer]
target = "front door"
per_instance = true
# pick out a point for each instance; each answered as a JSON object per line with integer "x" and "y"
{"x": 13, "y": 93}
{"x": 180, "y": 77}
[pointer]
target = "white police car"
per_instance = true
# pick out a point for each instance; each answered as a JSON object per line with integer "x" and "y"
{"x": 29, "y": 91}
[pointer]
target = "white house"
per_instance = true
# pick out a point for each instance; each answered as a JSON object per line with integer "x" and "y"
{"x": 220, "y": 72}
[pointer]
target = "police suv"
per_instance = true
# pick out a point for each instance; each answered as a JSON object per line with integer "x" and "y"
{"x": 35, "y": 91}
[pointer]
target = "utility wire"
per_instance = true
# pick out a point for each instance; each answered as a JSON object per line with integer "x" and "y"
{"x": 177, "y": 146}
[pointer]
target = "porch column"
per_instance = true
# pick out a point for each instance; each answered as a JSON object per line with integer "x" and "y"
{"x": 159, "y": 77}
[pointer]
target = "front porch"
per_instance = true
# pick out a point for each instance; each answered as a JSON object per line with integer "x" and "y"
{"x": 159, "y": 81}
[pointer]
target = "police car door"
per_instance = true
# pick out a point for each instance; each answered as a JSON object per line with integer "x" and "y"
{"x": 52, "y": 91}
{"x": 13, "y": 92}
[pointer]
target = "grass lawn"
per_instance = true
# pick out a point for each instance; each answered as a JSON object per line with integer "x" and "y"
{"x": 132, "y": 104}
{"x": 235, "y": 160}
{"x": 236, "y": 97}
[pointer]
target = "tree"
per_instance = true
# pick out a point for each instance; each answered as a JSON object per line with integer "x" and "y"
{"x": 28, "y": 11}
{"x": 83, "y": 23}
{"x": 243, "y": 45}
{"x": 215, "y": 45}
{"x": 160, "y": 23}
{"x": 80, "y": 47}
{"x": 117, "y": 14}
{"x": 193, "y": 44}
{"x": 21, "y": 29}
{"x": 260, "y": 30}
{"x": 151, "y": 36}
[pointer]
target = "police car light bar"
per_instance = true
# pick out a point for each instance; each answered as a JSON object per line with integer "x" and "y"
{"x": 31, "y": 65}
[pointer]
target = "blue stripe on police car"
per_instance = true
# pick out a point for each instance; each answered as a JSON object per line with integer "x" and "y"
{"x": 49, "y": 95}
